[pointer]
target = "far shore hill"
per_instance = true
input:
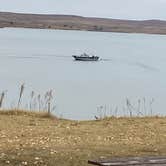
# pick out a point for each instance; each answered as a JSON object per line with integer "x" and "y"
{"x": 71, "y": 22}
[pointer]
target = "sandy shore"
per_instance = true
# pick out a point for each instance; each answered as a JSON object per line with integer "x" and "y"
{"x": 69, "y": 22}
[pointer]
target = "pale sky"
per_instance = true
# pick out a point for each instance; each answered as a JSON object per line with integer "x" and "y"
{"x": 124, "y": 9}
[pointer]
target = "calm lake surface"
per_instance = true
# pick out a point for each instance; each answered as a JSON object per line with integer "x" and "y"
{"x": 133, "y": 66}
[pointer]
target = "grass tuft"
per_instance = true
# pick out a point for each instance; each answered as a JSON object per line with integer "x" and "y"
{"x": 27, "y": 113}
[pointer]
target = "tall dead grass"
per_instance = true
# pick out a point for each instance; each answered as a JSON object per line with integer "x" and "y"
{"x": 45, "y": 104}
{"x": 140, "y": 108}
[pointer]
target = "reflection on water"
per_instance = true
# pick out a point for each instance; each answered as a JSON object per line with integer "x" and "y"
{"x": 131, "y": 66}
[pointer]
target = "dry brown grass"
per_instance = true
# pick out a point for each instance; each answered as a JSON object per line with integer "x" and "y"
{"x": 19, "y": 112}
{"x": 28, "y": 139}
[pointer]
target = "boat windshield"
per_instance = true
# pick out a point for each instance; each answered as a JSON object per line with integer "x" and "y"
{"x": 85, "y": 55}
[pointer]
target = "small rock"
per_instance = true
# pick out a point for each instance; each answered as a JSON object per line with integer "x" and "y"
{"x": 7, "y": 162}
{"x": 25, "y": 163}
{"x": 37, "y": 158}
{"x": 51, "y": 152}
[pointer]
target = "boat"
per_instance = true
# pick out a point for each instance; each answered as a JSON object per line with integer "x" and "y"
{"x": 85, "y": 57}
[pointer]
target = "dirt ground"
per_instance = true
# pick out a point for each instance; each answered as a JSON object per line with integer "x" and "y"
{"x": 35, "y": 139}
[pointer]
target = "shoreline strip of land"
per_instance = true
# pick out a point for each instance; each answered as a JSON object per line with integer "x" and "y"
{"x": 71, "y": 22}
{"x": 37, "y": 138}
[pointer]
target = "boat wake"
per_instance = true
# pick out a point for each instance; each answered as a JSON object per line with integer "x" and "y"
{"x": 35, "y": 56}
{"x": 62, "y": 57}
{"x": 105, "y": 59}
{"x": 147, "y": 67}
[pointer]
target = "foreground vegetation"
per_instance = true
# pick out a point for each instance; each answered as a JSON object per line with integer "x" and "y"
{"x": 28, "y": 138}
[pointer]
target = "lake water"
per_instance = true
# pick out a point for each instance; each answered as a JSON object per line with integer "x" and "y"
{"x": 133, "y": 66}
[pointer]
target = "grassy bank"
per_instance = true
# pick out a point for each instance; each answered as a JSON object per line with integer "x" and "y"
{"x": 37, "y": 139}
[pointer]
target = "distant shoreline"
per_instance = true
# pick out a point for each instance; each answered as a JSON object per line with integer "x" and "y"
{"x": 71, "y": 22}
